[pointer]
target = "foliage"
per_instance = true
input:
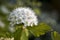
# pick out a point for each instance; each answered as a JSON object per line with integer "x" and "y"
{"x": 55, "y": 35}
{"x": 23, "y": 33}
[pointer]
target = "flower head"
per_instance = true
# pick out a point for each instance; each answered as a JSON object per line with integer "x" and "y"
{"x": 23, "y": 15}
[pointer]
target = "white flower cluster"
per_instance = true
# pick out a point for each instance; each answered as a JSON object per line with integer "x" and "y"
{"x": 2, "y": 38}
{"x": 23, "y": 15}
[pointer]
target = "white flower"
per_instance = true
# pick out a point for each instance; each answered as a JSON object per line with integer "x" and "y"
{"x": 2, "y": 38}
{"x": 23, "y": 15}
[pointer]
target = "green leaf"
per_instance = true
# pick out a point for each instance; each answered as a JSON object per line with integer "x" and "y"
{"x": 21, "y": 34}
{"x": 24, "y": 35}
{"x": 41, "y": 29}
{"x": 17, "y": 34}
{"x": 55, "y": 35}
